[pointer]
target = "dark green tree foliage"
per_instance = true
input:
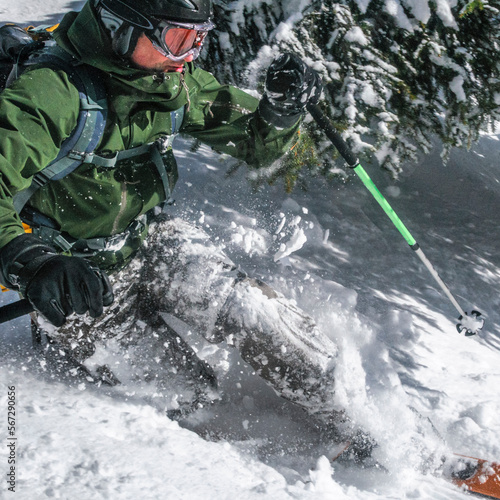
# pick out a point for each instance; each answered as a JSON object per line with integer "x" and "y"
{"x": 397, "y": 73}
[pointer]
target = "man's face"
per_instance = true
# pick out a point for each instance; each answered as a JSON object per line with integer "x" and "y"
{"x": 145, "y": 56}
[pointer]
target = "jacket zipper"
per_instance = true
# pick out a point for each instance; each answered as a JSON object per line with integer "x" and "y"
{"x": 123, "y": 206}
{"x": 123, "y": 200}
{"x": 183, "y": 83}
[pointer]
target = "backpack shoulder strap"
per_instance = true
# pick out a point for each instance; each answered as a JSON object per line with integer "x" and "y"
{"x": 90, "y": 123}
{"x": 162, "y": 146}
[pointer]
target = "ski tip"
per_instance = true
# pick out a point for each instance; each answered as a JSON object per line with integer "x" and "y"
{"x": 476, "y": 475}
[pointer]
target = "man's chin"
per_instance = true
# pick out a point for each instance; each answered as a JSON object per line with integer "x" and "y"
{"x": 171, "y": 68}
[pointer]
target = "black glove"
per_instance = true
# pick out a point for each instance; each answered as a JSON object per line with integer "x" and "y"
{"x": 56, "y": 285}
{"x": 12, "y": 40}
{"x": 290, "y": 86}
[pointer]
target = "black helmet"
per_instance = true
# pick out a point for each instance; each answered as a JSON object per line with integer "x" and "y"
{"x": 125, "y": 20}
{"x": 143, "y": 13}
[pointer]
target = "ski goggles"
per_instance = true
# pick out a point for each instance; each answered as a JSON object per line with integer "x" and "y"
{"x": 179, "y": 40}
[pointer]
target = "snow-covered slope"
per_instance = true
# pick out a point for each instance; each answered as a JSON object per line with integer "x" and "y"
{"x": 334, "y": 251}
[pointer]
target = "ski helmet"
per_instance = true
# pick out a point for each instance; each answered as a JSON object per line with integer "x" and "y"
{"x": 142, "y": 14}
{"x": 125, "y": 20}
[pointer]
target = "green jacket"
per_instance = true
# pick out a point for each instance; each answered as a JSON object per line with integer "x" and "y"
{"x": 41, "y": 108}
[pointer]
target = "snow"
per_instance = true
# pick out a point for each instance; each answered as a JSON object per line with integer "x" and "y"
{"x": 444, "y": 12}
{"x": 456, "y": 85}
{"x": 419, "y": 9}
{"x": 395, "y": 9}
{"x": 341, "y": 260}
{"x": 355, "y": 34}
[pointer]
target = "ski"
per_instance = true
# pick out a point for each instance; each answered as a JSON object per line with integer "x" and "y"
{"x": 475, "y": 475}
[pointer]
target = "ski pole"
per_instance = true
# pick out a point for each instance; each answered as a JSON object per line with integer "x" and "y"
{"x": 15, "y": 310}
{"x": 468, "y": 324}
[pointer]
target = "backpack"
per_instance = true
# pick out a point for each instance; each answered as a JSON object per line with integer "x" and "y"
{"x": 24, "y": 47}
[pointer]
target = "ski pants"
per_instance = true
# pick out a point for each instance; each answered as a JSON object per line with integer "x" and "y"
{"x": 180, "y": 273}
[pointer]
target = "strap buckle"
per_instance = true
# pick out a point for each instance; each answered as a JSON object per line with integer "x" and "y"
{"x": 40, "y": 179}
{"x": 165, "y": 142}
{"x": 78, "y": 155}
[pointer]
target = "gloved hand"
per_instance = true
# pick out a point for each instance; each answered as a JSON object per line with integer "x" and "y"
{"x": 12, "y": 39}
{"x": 290, "y": 86}
{"x": 56, "y": 285}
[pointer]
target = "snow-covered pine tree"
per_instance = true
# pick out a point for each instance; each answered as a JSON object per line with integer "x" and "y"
{"x": 397, "y": 73}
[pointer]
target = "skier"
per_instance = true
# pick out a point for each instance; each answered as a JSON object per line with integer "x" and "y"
{"x": 86, "y": 253}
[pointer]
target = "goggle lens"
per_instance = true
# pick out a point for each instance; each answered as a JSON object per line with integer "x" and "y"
{"x": 180, "y": 41}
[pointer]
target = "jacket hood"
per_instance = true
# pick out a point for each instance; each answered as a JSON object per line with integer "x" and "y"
{"x": 81, "y": 34}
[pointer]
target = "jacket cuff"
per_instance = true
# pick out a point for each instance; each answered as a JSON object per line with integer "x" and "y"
{"x": 278, "y": 118}
{"x": 18, "y": 254}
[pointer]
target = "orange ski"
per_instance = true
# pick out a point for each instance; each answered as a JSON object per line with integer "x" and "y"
{"x": 477, "y": 476}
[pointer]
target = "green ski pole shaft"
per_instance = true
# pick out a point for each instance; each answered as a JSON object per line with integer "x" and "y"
{"x": 353, "y": 162}
{"x": 405, "y": 233}
{"x": 369, "y": 184}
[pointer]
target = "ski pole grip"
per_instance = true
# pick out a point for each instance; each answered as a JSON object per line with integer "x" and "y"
{"x": 342, "y": 147}
{"x": 15, "y": 310}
